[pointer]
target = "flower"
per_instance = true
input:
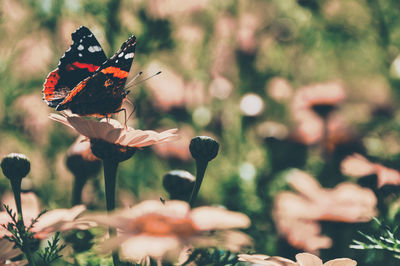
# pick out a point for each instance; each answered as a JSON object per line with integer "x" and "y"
{"x": 113, "y": 132}
{"x": 318, "y": 95}
{"x": 302, "y": 259}
{"x": 248, "y": 24}
{"x": 7, "y": 252}
{"x": 179, "y": 148}
{"x": 168, "y": 89}
{"x": 50, "y": 222}
{"x": 30, "y": 209}
{"x": 297, "y": 214}
{"x": 311, "y": 105}
{"x": 179, "y": 184}
{"x": 59, "y": 220}
{"x": 80, "y": 159}
{"x": 15, "y": 165}
{"x": 358, "y": 166}
{"x": 154, "y": 229}
{"x": 203, "y": 148}
{"x": 279, "y": 89}
{"x": 167, "y": 8}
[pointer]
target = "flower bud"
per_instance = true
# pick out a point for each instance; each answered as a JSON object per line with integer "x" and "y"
{"x": 109, "y": 151}
{"x": 15, "y": 165}
{"x": 81, "y": 161}
{"x": 179, "y": 184}
{"x": 323, "y": 110}
{"x": 203, "y": 148}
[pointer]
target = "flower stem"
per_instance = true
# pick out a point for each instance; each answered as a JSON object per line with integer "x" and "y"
{"x": 110, "y": 176}
{"x": 79, "y": 183}
{"x": 201, "y": 166}
{"x": 16, "y": 187}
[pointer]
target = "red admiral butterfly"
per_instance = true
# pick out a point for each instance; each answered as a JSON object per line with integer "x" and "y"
{"x": 85, "y": 81}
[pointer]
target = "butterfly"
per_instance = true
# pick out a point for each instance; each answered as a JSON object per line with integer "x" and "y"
{"x": 85, "y": 81}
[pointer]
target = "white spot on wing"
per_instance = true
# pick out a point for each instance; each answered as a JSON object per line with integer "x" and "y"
{"x": 121, "y": 54}
{"x": 90, "y": 35}
{"x": 80, "y": 40}
{"x": 116, "y": 61}
{"x": 95, "y": 48}
{"x": 80, "y": 47}
{"x": 80, "y": 55}
{"x": 130, "y": 55}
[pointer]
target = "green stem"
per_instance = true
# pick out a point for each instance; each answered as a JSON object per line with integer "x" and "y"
{"x": 110, "y": 177}
{"x": 79, "y": 183}
{"x": 16, "y": 187}
{"x": 201, "y": 167}
{"x": 325, "y": 140}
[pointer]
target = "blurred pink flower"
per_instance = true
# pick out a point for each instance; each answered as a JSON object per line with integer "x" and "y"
{"x": 302, "y": 259}
{"x": 358, "y": 166}
{"x": 310, "y": 128}
{"x": 329, "y": 93}
{"x": 30, "y": 209}
{"x": 7, "y": 252}
{"x": 220, "y": 88}
{"x": 248, "y": 24}
{"x": 194, "y": 94}
{"x": 166, "y": 8}
{"x": 60, "y": 220}
{"x": 222, "y": 56}
{"x": 168, "y": 89}
{"x": 279, "y": 89}
{"x": 272, "y": 129}
{"x": 346, "y": 202}
{"x": 113, "y": 132}
{"x": 35, "y": 54}
{"x": 33, "y": 114}
{"x": 178, "y": 149}
{"x": 50, "y": 222}
{"x": 304, "y": 107}
{"x": 154, "y": 229}
{"x": 82, "y": 149}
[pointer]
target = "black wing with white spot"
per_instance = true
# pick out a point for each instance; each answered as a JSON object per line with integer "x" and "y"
{"x": 123, "y": 58}
{"x": 80, "y": 61}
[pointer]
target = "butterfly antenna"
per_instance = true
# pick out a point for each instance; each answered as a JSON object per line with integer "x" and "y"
{"x": 134, "y": 109}
{"x": 134, "y": 78}
{"x": 143, "y": 80}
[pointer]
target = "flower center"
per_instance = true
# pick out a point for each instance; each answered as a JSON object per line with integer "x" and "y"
{"x": 160, "y": 225}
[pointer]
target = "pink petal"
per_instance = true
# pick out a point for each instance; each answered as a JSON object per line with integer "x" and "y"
{"x": 307, "y": 259}
{"x": 214, "y": 218}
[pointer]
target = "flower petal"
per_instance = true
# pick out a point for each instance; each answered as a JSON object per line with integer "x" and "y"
{"x": 307, "y": 259}
{"x": 341, "y": 262}
{"x": 213, "y": 218}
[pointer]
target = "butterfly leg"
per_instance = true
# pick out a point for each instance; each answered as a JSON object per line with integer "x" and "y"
{"x": 126, "y": 120}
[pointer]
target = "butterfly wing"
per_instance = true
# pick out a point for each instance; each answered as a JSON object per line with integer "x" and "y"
{"x": 81, "y": 60}
{"x": 103, "y": 92}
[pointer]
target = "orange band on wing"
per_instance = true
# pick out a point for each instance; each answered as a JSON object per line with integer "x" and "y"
{"x": 77, "y": 89}
{"x": 116, "y": 72}
{"x": 50, "y": 83}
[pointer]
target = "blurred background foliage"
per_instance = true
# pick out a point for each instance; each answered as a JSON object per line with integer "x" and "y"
{"x": 231, "y": 70}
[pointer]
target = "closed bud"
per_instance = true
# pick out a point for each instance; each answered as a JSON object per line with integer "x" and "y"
{"x": 203, "y": 148}
{"x": 179, "y": 184}
{"x": 81, "y": 161}
{"x": 15, "y": 166}
{"x": 323, "y": 110}
{"x": 109, "y": 151}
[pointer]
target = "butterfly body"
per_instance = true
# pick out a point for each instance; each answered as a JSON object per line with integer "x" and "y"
{"x": 85, "y": 81}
